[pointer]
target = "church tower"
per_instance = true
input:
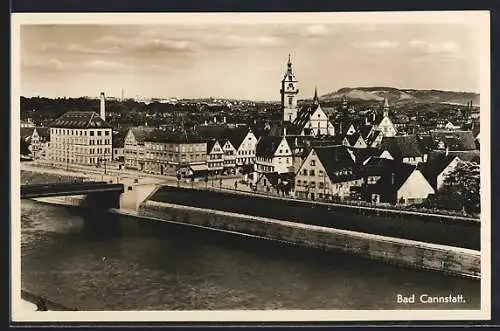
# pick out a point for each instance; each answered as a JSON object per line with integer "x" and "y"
{"x": 289, "y": 93}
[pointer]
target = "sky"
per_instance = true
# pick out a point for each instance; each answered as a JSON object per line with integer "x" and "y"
{"x": 245, "y": 61}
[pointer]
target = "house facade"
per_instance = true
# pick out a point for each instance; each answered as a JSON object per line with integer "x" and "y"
{"x": 273, "y": 154}
{"x": 133, "y": 148}
{"x": 327, "y": 173}
{"x": 80, "y": 137}
{"x": 215, "y": 157}
{"x": 171, "y": 154}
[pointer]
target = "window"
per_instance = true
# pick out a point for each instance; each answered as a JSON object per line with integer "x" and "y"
{"x": 321, "y": 173}
{"x": 321, "y": 185}
{"x": 304, "y": 172}
{"x": 313, "y": 163}
{"x": 106, "y": 132}
{"x": 290, "y": 101}
{"x": 91, "y": 133}
{"x": 99, "y": 132}
{"x": 311, "y": 172}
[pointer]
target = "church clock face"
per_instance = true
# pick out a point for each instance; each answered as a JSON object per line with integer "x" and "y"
{"x": 290, "y": 86}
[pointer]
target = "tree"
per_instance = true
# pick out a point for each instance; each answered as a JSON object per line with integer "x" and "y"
{"x": 460, "y": 190}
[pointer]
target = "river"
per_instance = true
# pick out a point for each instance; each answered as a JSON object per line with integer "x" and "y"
{"x": 111, "y": 262}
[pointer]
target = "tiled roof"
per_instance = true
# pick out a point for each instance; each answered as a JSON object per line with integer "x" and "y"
{"x": 392, "y": 178}
{"x": 43, "y": 132}
{"x": 454, "y": 140}
{"x": 463, "y": 155}
{"x": 401, "y": 146}
{"x": 363, "y": 154}
{"x": 222, "y": 133}
{"x": 142, "y": 132}
{"x": 26, "y": 132}
{"x": 80, "y": 120}
{"x": 176, "y": 137}
{"x": 435, "y": 165}
{"x": 338, "y": 163}
{"x": 353, "y": 138}
{"x": 267, "y": 146}
{"x": 304, "y": 115}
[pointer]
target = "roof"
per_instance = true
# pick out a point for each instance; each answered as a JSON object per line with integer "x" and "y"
{"x": 353, "y": 138}
{"x": 435, "y": 165}
{"x": 377, "y": 166}
{"x": 365, "y": 130}
{"x": 401, "y": 146}
{"x": 463, "y": 155}
{"x": 454, "y": 140}
{"x": 43, "y": 132}
{"x": 26, "y": 132}
{"x": 392, "y": 178}
{"x": 363, "y": 154}
{"x": 198, "y": 167}
{"x": 237, "y": 135}
{"x": 267, "y": 146}
{"x": 304, "y": 115}
{"x": 141, "y": 132}
{"x": 210, "y": 145}
{"x": 119, "y": 138}
{"x": 338, "y": 163}
{"x": 176, "y": 137}
{"x": 425, "y": 142}
{"x": 222, "y": 133}
{"x": 80, "y": 120}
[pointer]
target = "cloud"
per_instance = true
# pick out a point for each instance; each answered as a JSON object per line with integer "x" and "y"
{"x": 317, "y": 30}
{"x": 103, "y": 65}
{"x": 425, "y": 51}
{"x": 49, "y": 64}
{"x": 152, "y": 45}
{"x": 376, "y": 45}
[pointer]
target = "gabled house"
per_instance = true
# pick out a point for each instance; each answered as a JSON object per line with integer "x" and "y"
{"x": 215, "y": 157}
{"x": 405, "y": 149}
{"x": 229, "y": 157}
{"x": 312, "y": 120}
{"x": 354, "y": 140}
{"x": 327, "y": 173}
{"x": 245, "y": 143}
{"x": 273, "y": 183}
{"x": 133, "y": 148}
{"x": 399, "y": 183}
{"x": 273, "y": 154}
{"x": 385, "y": 124}
{"x": 374, "y": 139}
{"x": 438, "y": 167}
{"x": 453, "y": 140}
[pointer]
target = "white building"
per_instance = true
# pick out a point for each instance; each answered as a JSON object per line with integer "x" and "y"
{"x": 273, "y": 154}
{"x": 80, "y": 137}
{"x": 133, "y": 149}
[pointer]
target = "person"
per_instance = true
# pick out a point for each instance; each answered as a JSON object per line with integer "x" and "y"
{"x": 235, "y": 184}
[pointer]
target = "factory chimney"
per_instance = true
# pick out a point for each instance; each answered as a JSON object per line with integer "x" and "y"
{"x": 103, "y": 107}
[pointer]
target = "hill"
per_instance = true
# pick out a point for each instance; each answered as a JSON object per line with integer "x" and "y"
{"x": 396, "y": 95}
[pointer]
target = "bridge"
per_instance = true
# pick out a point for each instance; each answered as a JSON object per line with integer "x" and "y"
{"x": 71, "y": 188}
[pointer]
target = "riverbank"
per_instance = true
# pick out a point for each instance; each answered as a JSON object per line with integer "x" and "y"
{"x": 406, "y": 253}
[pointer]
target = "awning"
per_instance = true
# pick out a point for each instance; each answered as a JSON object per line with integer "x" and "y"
{"x": 199, "y": 167}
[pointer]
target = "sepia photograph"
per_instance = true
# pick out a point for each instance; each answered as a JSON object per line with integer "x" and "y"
{"x": 250, "y": 167}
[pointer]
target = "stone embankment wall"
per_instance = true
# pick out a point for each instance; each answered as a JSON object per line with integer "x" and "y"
{"x": 418, "y": 255}
{"x": 31, "y": 177}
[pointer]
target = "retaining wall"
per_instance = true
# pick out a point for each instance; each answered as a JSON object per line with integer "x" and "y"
{"x": 418, "y": 255}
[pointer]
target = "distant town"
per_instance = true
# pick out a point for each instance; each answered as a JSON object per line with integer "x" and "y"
{"x": 368, "y": 145}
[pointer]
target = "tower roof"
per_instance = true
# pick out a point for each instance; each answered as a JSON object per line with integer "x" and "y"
{"x": 315, "y": 99}
{"x": 289, "y": 75}
{"x": 386, "y": 103}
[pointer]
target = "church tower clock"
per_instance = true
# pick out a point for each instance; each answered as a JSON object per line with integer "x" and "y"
{"x": 289, "y": 93}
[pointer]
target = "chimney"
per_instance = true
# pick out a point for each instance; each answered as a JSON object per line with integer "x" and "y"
{"x": 224, "y": 119}
{"x": 215, "y": 119}
{"x": 103, "y": 107}
{"x": 284, "y": 131}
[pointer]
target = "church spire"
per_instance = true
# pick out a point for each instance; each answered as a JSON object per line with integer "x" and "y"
{"x": 386, "y": 107}
{"x": 315, "y": 99}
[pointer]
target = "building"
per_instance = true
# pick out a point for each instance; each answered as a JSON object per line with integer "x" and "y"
{"x": 273, "y": 154}
{"x": 80, "y": 137}
{"x": 437, "y": 169}
{"x": 245, "y": 143}
{"x": 175, "y": 153}
{"x": 405, "y": 149}
{"x": 27, "y": 124}
{"x": 311, "y": 120}
{"x": 133, "y": 148}
{"x": 399, "y": 183}
{"x": 385, "y": 124}
{"x": 273, "y": 183}
{"x": 328, "y": 173}
{"x": 229, "y": 157}
{"x": 453, "y": 140}
{"x": 354, "y": 140}
{"x": 289, "y": 91}
{"x": 215, "y": 157}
